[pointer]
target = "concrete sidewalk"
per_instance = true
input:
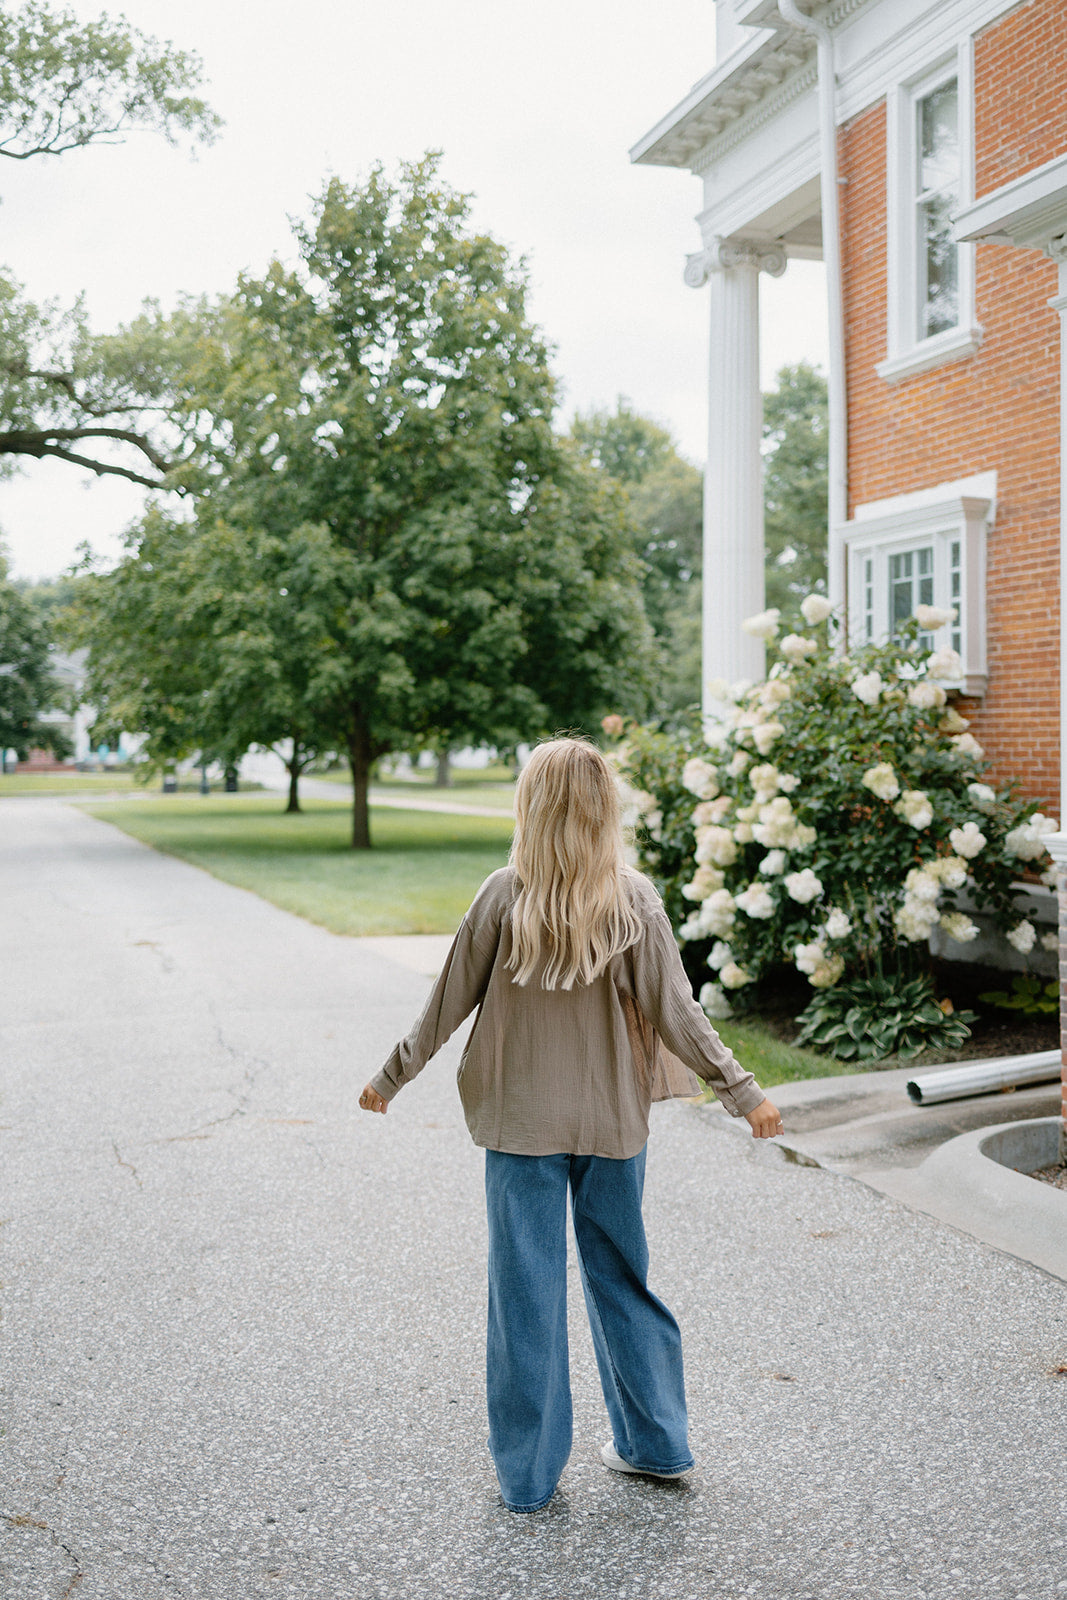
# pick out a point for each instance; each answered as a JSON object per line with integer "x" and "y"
{"x": 243, "y": 1323}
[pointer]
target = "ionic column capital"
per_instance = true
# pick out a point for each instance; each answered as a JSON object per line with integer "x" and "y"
{"x": 722, "y": 254}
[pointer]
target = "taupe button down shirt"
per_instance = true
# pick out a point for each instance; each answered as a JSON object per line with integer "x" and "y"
{"x": 550, "y": 1071}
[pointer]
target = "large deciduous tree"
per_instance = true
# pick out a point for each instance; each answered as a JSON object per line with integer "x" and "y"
{"x": 373, "y": 427}
{"x": 65, "y": 84}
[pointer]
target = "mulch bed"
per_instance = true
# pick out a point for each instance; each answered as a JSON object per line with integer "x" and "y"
{"x": 1056, "y": 1175}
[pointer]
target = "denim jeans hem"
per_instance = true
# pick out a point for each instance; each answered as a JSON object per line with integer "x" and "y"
{"x": 659, "y": 1472}
{"x": 539, "y": 1506}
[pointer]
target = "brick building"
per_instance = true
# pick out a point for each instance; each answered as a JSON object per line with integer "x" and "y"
{"x": 918, "y": 148}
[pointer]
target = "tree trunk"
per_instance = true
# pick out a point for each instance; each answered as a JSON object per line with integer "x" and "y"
{"x": 359, "y": 758}
{"x": 444, "y": 771}
{"x": 293, "y": 768}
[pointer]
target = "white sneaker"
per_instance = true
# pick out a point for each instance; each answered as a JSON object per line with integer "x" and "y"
{"x": 611, "y": 1458}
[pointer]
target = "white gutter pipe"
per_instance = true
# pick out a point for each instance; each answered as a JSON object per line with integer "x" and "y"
{"x": 837, "y": 511}
{"x": 981, "y": 1077}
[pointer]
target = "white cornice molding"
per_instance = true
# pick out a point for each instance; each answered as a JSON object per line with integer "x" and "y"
{"x": 798, "y": 85}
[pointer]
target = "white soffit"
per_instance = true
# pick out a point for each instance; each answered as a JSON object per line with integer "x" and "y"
{"x": 1029, "y": 211}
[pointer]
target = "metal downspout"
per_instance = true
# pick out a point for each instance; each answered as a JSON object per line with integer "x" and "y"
{"x": 837, "y": 510}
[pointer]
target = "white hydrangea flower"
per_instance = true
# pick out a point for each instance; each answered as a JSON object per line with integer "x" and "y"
{"x": 1050, "y": 877}
{"x": 764, "y": 779}
{"x": 930, "y": 618}
{"x": 718, "y": 689}
{"x": 952, "y": 722}
{"x": 739, "y": 764}
{"x": 951, "y": 871}
{"x": 827, "y": 972}
{"x": 715, "y": 846}
{"x": 915, "y": 919}
{"x": 714, "y": 1001}
{"x": 959, "y": 927}
{"x": 838, "y": 924}
{"x": 944, "y": 663}
{"x": 1027, "y": 841}
{"x": 755, "y": 901}
{"x": 881, "y": 781}
{"x": 808, "y": 957}
{"x": 764, "y": 736}
{"x": 915, "y": 808}
{"x": 802, "y": 886}
{"x": 815, "y": 608}
{"x": 700, "y": 778}
{"x": 773, "y": 863}
{"x": 705, "y": 882}
{"x": 777, "y": 823}
{"x": 717, "y": 915}
{"x": 774, "y": 692}
{"x": 868, "y": 687}
{"x": 747, "y": 813}
{"x": 764, "y": 625}
{"x": 923, "y": 884}
{"x": 803, "y": 835}
{"x": 733, "y": 977}
{"x": 968, "y": 840}
{"x": 983, "y": 796}
{"x": 968, "y": 745}
{"x": 654, "y": 824}
{"x": 796, "y": 648}
{"x": 743, "y": 833}
{"x": 926, "y": 696}
{"x": 1050, "y": 941}
{"x": 788, "y": 781}
{"x": 720, "y": 955}
{"x": 1022, "y": 937}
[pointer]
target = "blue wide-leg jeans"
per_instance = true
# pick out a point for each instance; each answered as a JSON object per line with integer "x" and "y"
{"x": 636, "y": 1340}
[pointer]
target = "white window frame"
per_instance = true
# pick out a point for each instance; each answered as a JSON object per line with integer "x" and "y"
{"x": 959, "y": 512}
{"x": 907, "y": 352}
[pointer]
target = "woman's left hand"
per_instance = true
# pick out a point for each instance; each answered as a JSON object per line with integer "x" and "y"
{"x": 371, "y": 1100}
{"x": 765, "y": 1121}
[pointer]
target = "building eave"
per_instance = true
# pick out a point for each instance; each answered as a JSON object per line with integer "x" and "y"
{"x": 1029, "y": 211}
{"x": 726, "y": 95}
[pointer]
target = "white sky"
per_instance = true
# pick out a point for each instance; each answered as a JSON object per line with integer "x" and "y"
{"x": 534, "y": 107}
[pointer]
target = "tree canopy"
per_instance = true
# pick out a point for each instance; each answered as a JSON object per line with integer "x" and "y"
{"x": 28, "y": 688}
{"x": 389, "y": 534}
{"x": 795, "y": 484}
{"x": 64, "y": 394}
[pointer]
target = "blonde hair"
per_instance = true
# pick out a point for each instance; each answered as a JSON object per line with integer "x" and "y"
{"x": 572, "y": 914}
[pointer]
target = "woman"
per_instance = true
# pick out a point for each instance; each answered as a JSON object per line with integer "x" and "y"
{"x": 571, "y": 961}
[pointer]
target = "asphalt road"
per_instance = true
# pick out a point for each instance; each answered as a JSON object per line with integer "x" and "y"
{"x": 242, "y": 1321}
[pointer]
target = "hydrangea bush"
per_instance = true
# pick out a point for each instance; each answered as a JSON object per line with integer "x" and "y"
{"x": 831, "y": 818}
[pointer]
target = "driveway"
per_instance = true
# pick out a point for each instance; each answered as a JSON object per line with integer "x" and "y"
{"x": 242, "y": 1322}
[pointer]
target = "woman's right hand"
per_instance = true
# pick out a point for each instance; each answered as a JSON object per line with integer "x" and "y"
{"x": 765, "y": 1121}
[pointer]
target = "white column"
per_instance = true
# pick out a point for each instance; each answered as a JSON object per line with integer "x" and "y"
{"x": 733, "y": 484}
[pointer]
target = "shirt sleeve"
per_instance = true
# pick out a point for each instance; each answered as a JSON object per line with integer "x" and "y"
{"x": 664, "y": 996}
{"x": 459, "y": 989}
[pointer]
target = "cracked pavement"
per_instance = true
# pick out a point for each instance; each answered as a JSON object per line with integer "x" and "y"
{"x": 242, "y": 1334}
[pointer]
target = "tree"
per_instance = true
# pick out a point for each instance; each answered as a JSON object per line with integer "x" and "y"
{"x": 665, "y": 501}
{"x": 795, "y": 485}
{"x": 376, "y": 425}
{"x": 28, "y": 688}
{"x": 64, "y": 85}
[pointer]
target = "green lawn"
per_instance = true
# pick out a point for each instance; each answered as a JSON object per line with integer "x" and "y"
{"x": 65, "y": 783}
{"x": 772, "y": 1060}
{"x": 420, "y": 877}
{"x": 483, "y": 786}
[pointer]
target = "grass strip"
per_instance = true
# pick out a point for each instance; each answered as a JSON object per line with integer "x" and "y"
{"x": 420, "y": 878}
{"x": 772, "y": 1060}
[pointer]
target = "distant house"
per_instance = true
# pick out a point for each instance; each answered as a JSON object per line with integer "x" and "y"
{"x": 919, "y": 147}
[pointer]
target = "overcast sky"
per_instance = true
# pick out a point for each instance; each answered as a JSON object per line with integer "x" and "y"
{"x": 534, "y": 107}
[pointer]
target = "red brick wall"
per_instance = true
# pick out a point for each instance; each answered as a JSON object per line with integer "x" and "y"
{"x": 1020, "y": 106}
{"x": 998, "y": 409}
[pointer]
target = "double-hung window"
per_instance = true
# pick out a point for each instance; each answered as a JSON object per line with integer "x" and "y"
{"x": 930, "y": 278}
{"x": 924, "y": 549}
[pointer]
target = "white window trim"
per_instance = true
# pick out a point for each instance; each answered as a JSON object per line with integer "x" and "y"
{"x": 906, "y": 352}
{"x": 963, "y": 509}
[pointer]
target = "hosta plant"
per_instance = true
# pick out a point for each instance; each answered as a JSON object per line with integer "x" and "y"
{"x": 881, "y": 1016}
{"x": 1033, "y": 996}
{"x": 830, "y": 817}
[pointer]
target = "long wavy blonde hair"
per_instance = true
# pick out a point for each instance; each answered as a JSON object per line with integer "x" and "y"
{"x": 572, "y": 914}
